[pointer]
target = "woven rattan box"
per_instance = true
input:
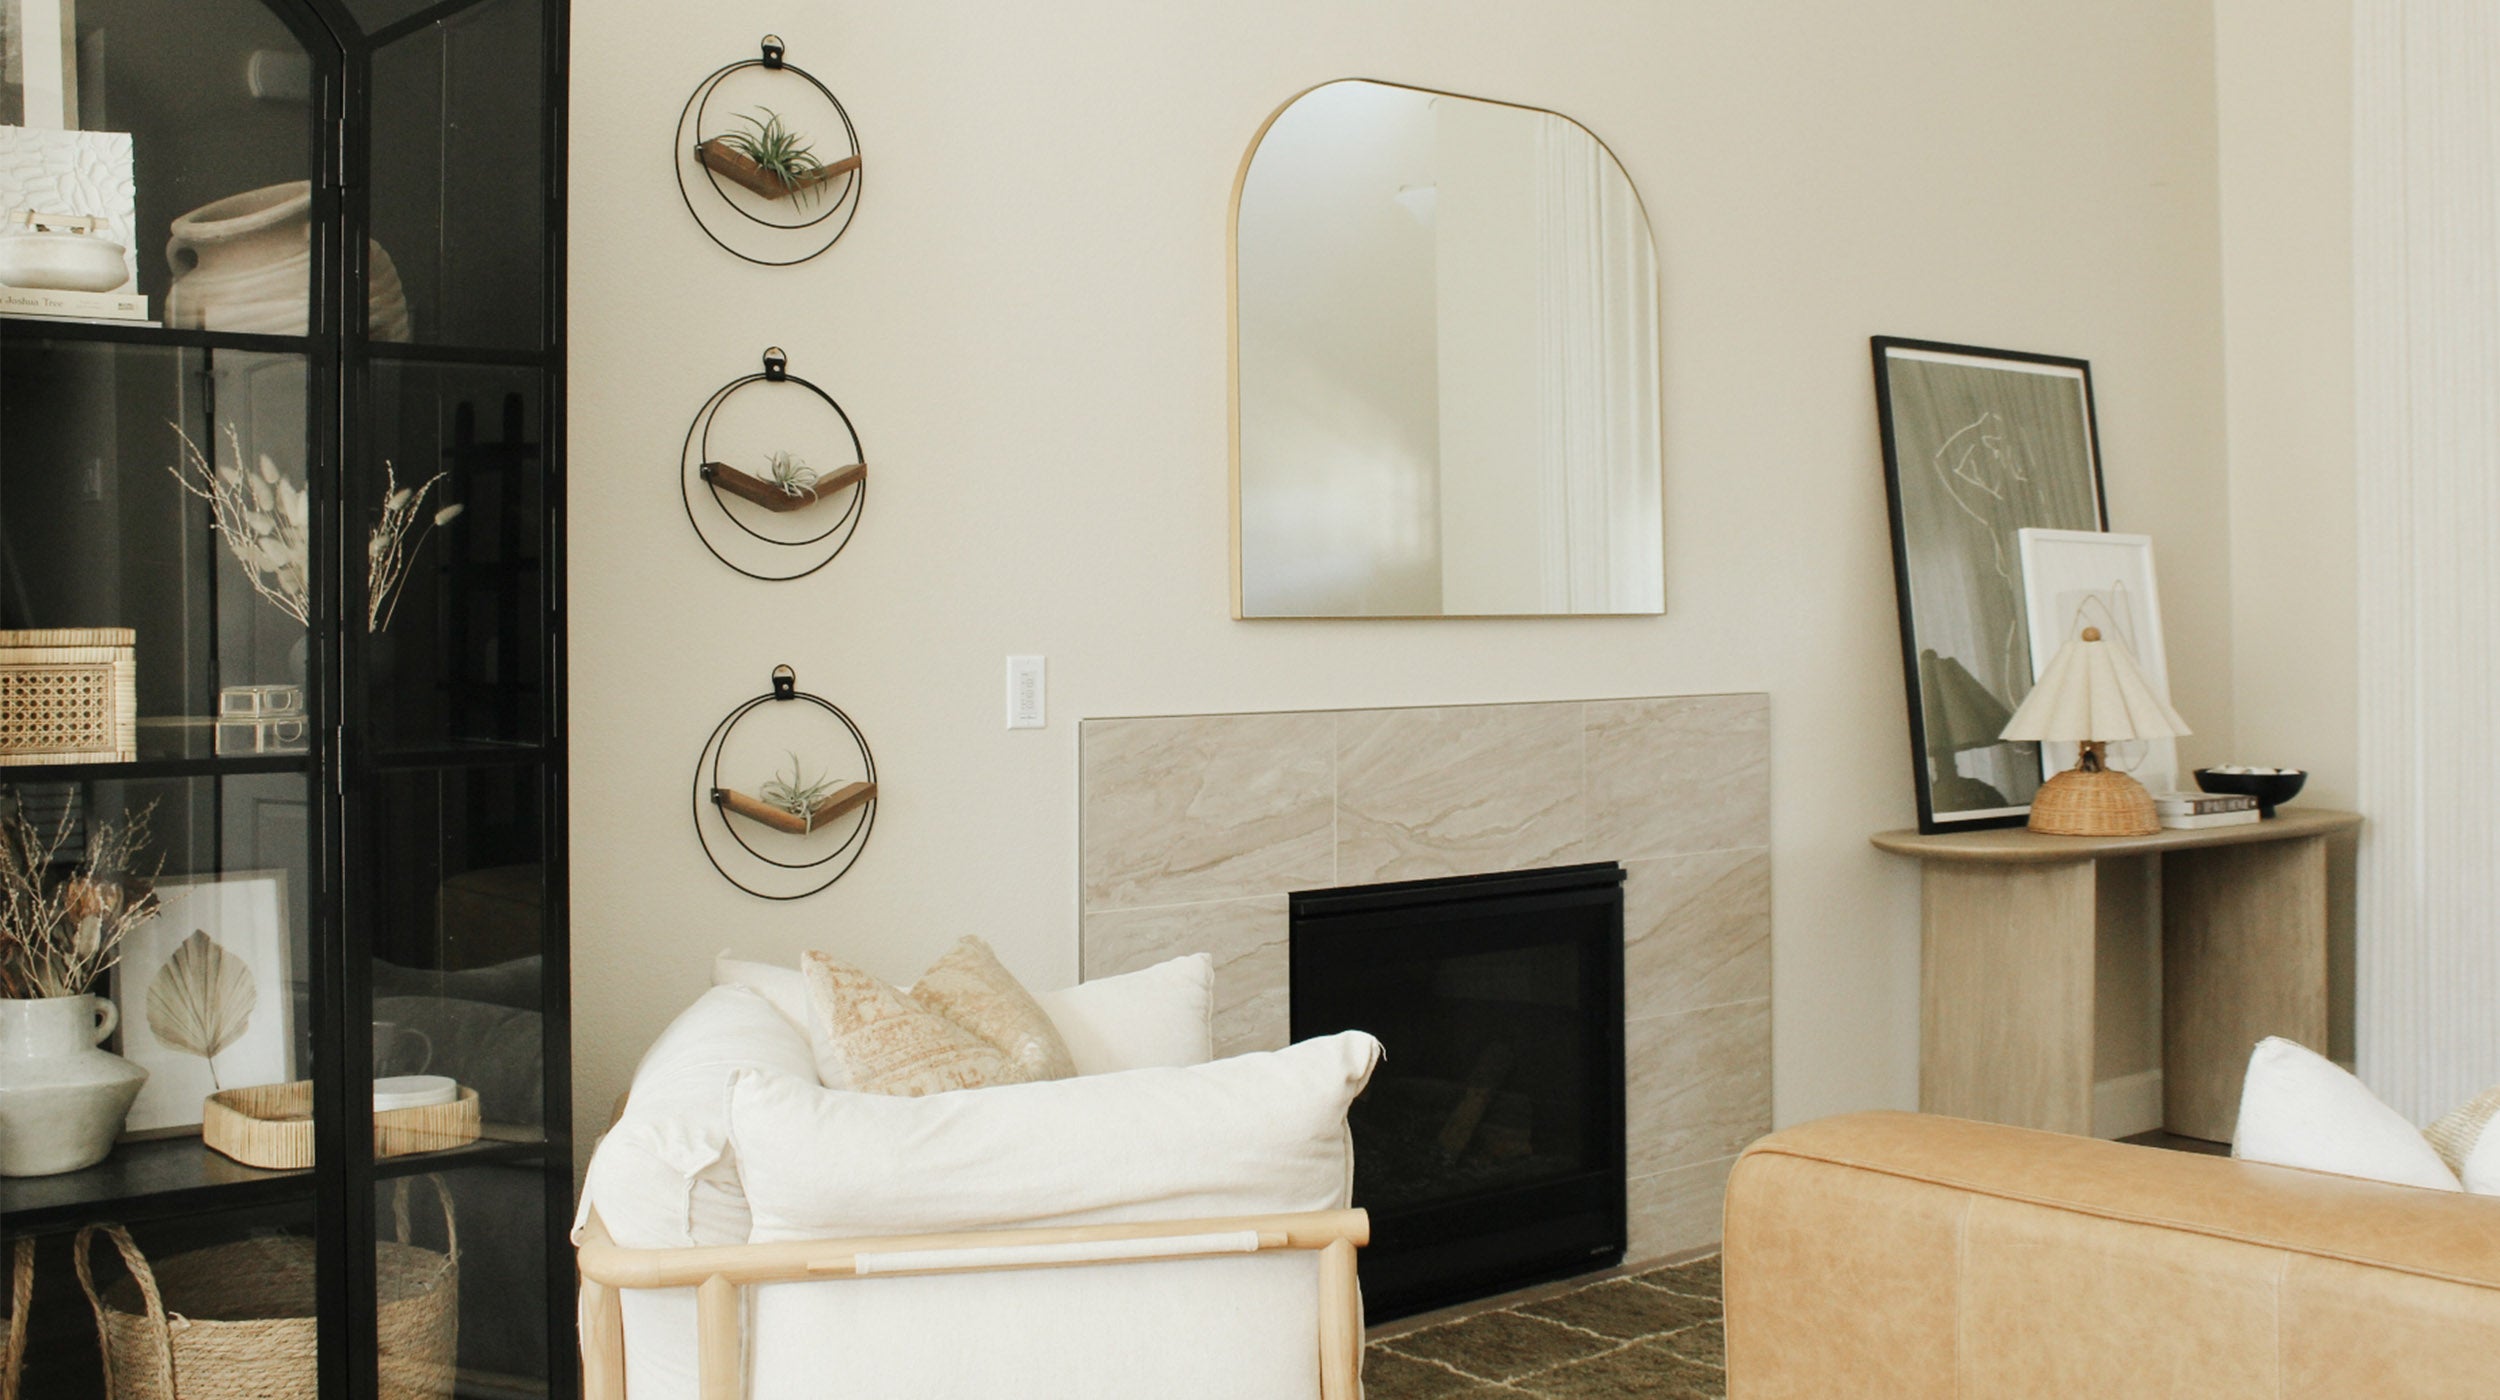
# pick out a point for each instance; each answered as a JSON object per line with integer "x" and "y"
{"x": 69, "y": 695}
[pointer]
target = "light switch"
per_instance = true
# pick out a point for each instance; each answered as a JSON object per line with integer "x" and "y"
{"x": 1024, "y": 692}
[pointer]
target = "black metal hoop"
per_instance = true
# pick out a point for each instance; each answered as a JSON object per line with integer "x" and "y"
{"x": 708, "y": 791}
{"x": 697, "y": 453}
{"x": 689, "y": 127}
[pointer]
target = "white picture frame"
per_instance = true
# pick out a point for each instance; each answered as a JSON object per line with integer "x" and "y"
{"x": 2073, "y": 579}
{"x": 245, "y": 914}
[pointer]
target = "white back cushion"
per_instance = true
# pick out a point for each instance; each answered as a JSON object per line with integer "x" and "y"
{"x": 1251, "y": 1134}
{"x": 663, "y": 1175}
{"x": 2301, "y": 1109}
{"x": 1161, "y": 1016}
{"x": 784, "y": 987}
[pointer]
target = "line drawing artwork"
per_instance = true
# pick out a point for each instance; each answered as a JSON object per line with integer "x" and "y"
{"x": 1978, "y": 450}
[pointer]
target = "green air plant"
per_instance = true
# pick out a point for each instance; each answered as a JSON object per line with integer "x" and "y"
{"x": 793, "y": 793}
{"x": 793, "y": 476}
{"x": 779, "y": 152}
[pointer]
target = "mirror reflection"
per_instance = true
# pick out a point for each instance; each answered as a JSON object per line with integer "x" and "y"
{"x": 1447, "y": 361}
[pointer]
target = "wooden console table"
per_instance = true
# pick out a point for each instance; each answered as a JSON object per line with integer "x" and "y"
{"x": 2006, "y": 978}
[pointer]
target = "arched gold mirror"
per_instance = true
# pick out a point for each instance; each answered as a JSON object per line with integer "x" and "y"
{"x": 1445, "y": 355}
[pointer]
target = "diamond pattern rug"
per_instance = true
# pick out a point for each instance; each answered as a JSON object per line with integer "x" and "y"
{"x": 1655, "y": 1335}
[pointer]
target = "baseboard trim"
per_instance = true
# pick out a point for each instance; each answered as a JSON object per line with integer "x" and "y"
{"x": 2127, "y": 1105}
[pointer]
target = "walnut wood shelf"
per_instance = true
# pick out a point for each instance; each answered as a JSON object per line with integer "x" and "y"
{"x": 2010, "y": 928}
{"x": 834, "y": 804}
{"x": 747, "y": 486}
{"x": 727, "y": 161}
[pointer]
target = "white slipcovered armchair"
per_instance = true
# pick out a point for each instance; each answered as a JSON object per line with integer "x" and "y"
{"x": 1150, "y": 1229}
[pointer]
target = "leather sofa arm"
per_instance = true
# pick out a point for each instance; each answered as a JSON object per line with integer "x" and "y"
{"x": 1896, "y": 1254}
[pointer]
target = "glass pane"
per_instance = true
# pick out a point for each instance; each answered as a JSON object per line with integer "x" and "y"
{"x": 477, "y": 1325}
{"x": 460, "y": 652}
{"x": 216, "y": 98}
{"x": 251, "y": 1266}
{"x": 97, "y": 529}
{"x": 456, "y": 911}
{"x": 459, "y": 181}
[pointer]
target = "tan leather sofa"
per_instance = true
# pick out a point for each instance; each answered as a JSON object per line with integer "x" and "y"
{"x": 1897, "y": 1254}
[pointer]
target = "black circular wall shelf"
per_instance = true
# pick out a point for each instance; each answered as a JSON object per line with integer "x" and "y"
{"x": 767, "y": 218}
{"x": 770, "y": 847}
{"x": 786, "y": 519}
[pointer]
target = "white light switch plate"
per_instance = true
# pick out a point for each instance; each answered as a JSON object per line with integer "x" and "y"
{"x": 1024, "y": 692}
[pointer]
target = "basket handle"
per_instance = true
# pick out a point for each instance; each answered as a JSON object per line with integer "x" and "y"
{"x": 400, "y": 1221}
{"x": 159, "y": 1330}
{"x": 21, "y": 1297}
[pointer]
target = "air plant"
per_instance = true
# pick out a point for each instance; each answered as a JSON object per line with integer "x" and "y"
{"x": 264, "y": 519}
{"x": 388, "y": 550}
{"x": 202, "y": 1000}
{"x": 778, "y": 152}
{"x": 793, "y": 476}
{"x": 60, "y": 933}
{"x": 793, "y": 793}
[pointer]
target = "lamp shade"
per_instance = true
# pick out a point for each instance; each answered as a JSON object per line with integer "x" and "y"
{"x": 2092, "y": 692}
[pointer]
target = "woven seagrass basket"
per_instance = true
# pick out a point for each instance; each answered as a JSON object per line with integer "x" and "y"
{"x": 236, "y": 1321}
{"x": 13, "y": 1327}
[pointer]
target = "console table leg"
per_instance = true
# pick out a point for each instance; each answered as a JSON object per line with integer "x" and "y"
{"x": 2006, "y": 993}
{"x": 2243, "y": 958}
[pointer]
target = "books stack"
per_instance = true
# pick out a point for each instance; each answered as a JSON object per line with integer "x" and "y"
{"x": 2191, "y": 811}
{"x": 44, "y": 304}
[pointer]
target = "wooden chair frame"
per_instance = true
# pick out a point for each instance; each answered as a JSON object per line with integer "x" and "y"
{"x": 718, "y": 1275}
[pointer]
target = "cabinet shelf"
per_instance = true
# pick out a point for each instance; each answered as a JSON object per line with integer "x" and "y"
{"x": 152, "y": 769}
{"x": 16, "y": 330}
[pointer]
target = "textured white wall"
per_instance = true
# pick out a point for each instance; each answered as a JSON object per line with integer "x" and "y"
{"x": 1028, "y": 322}
{"x": 2426, "y": 133}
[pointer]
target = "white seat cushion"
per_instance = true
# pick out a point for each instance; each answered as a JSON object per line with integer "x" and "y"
{"x": 663, "y": 1176}
{"x": 1254, "y": 1133}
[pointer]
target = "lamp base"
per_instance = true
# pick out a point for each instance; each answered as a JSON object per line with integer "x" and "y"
{"x": 2093, "y": 802}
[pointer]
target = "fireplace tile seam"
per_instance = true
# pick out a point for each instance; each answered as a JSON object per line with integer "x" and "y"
{"x": 1265, "y": 893}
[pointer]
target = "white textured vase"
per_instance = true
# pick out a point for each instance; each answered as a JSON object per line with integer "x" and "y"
{"x": 244, "y": 263}
{"x": 62, "y": 1100}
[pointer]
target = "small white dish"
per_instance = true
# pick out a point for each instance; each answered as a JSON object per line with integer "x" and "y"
{"x": 414, "y": 1091}
{"x": 62, "y": 262}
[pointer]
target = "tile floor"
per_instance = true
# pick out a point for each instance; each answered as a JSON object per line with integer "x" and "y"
{"x": 1652, "y": 1334}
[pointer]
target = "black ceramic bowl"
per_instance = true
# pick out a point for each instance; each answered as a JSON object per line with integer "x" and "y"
{"x": 2268, "y": 788}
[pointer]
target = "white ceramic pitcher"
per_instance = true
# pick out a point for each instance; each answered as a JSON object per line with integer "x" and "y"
{"x": 62, "y": 1100}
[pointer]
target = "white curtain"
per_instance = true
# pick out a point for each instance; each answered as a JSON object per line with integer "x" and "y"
{"x": 2427, "y": 326}
{"x": 1597, "y": 399}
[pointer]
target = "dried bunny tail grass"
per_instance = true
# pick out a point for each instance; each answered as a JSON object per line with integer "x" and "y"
{"x": 59, "y": 934}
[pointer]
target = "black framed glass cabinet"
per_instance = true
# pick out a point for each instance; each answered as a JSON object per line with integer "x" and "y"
{"x": 296, "y": 480}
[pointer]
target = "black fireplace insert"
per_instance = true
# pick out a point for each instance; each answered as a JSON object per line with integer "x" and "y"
{"x": 1489, "y": 1147}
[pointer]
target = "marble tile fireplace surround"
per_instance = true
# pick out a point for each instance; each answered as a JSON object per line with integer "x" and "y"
{"x": 1195, "y": 830}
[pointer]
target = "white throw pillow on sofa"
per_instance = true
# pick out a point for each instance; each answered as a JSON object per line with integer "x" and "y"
{"x": 784, "y": 987}
{"x": 2301, "y": 1109}
{"x": 663, "y": 1176}
{"x": 1156, "y": 1017}
{"x": 1248, "y": 1135}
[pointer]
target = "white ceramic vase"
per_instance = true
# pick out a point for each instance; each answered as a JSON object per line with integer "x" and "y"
{"x": 244, "y": 263}
{"x": 62, "y": 1100}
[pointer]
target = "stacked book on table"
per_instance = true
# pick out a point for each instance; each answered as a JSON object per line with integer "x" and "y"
{"x": 2190, "y": 811}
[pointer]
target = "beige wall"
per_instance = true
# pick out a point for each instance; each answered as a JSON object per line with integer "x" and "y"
{"x": 1027, "y": 322}
{"x": 2284, "y": 82}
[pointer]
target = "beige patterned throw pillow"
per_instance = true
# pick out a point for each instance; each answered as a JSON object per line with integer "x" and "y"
{"x": 971, "y": 988}
{"x": 966, "y": 1026}
{"x": 2454, "y": 1136}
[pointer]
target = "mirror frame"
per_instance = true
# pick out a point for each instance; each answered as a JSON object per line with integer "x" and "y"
{"x": 1232, "y": 363}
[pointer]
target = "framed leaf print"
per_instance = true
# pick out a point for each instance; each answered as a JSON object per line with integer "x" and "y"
{"x": 1978, "y": 446}
{"x": 205, "y": 995}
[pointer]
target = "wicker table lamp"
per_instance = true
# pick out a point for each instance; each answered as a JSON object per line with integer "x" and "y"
{"x": 2092, "y": 694}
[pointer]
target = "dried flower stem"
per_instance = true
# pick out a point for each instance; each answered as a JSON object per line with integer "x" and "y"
{"x": 59, "y": 934}
{"x": 264, "y": 519}
{"x": 388, "y": 550}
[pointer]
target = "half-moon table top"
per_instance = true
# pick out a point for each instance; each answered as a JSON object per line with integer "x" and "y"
{"x": 2018, "y": 846}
